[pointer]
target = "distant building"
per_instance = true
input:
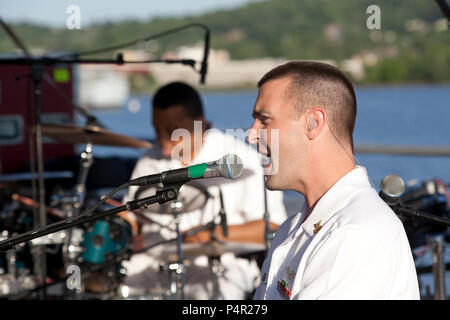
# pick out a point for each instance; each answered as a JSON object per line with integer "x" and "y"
{"x": 107, "y": 85}
{"x": 354, "y": 66}
{"x": 333, "y": 32}
{"x": 102, "y": 88}
{"x": 222, "y": 72}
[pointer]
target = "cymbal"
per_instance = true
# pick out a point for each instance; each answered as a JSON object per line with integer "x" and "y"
{"x": 69, "y": 133}
{"x": 214, "y": 249}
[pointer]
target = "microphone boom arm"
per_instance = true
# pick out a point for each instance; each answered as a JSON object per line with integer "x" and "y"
{"x": 404, "y": 211}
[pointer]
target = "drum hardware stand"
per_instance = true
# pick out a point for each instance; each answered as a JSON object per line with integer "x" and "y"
{"x": 216, "y": 270}
{"x": 177, "y": 270}
{"x": 10, "y": 282}
{"x": 14, "y": 280}
{"x": 215, "y": 266}
{"x": 112, "y": 273}
{"x": 70, "y": 246}
{"x": 437, "y": 246}
{"x": 39, "y": 254}
{"x": 87, "y": 158}
{"x": 71, "y": 205}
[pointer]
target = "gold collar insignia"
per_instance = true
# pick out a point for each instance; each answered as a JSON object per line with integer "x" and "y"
{"x": 317, "y": 227}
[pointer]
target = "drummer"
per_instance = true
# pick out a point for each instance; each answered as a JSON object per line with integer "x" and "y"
{"x": 178, "y": 106}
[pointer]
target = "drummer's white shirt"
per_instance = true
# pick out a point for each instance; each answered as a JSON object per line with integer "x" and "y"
{"x": 360, "y": 252}
{"x": 243, "y": 202}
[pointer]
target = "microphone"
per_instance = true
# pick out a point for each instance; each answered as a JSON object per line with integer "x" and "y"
{"x": 229, "y": 166}
{"x": 223, "y": 216}
{"x": 204, "y": 67}
{"x": 392, "y": 188}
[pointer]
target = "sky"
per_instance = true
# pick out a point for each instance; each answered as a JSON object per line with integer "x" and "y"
{"x": 54, "y": 12}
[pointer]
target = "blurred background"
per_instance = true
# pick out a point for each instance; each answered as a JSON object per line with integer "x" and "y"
{"x": 399, "y": 62}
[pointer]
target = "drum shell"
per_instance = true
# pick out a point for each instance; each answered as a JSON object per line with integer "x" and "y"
{"x": 106, "y": 238}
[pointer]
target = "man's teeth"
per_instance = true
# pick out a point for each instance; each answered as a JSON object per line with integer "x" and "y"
{"x": 265, "y": 160}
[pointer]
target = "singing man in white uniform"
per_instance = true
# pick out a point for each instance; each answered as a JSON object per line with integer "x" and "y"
{"x": 178, "y": 106}
{"x": 345, "y": 243}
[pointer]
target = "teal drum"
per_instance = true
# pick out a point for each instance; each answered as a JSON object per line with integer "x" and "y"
{"x": 106, "y": 239}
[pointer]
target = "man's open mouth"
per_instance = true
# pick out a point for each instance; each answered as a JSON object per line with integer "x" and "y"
{"x": 266, "y": 163}
{"x": 265, "y": 157}
{"x": 265, "y": 160}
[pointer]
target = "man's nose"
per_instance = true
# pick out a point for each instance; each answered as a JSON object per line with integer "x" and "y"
{"x": 253, "y": 134}
{"x": 165, "y": 146}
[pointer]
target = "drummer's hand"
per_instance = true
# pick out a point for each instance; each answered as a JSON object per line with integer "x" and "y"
{"x": 138, "y": 242}
{"x": 200, "y": 237}
{"x": 131, "y": 220}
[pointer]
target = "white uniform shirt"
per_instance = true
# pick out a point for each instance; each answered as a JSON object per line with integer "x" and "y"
{"x": 243, "y": 202}
{"x": 360, "y": 250}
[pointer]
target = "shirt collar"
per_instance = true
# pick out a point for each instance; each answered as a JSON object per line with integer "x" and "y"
{"x": 296, "y": 222}
{"x": 336, "y": 198}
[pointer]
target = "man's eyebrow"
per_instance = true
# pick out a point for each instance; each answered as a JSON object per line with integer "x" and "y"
{"x": 260, "y": 113}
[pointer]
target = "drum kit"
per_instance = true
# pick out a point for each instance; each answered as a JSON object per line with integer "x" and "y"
{"x": 99, "y": 247}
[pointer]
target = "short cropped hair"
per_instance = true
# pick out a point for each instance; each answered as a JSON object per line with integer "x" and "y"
{"x": 319, "y": 84}
{"x": 179, "y": 94}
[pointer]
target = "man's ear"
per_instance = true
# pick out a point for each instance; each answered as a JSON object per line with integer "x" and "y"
{"x": 315, "y": 121}
{"x": 312, "y": 123}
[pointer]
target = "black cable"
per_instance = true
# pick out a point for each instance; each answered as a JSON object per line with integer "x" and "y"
{"x": 134, "y": 42}
{"x": 444, "y": 8}
{"x": 103, "y": 200}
